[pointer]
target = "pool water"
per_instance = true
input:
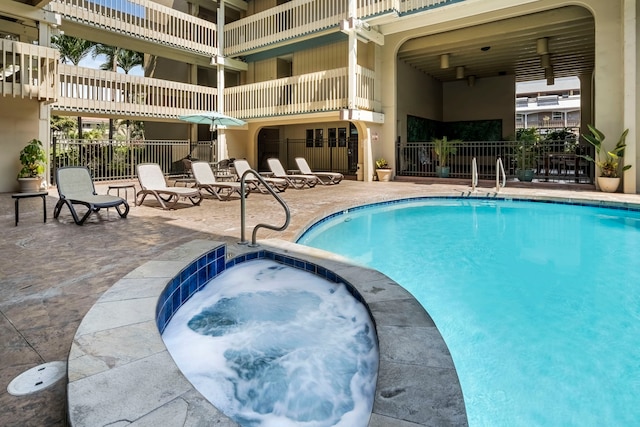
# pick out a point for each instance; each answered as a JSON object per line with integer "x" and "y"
{"x": 539, "y": 303}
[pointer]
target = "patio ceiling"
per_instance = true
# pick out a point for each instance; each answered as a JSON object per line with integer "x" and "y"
{"x": 509, "y": 47}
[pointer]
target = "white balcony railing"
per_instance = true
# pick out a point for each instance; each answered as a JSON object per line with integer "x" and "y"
{"x": 287, "y": 21}
{"x": 143, "y": 19}
{"x": 410, "y": 6}
{"x": 86, "y": 90}
{"x": 299, "y": 18}
{"x": 28, "y": 71}
{"x": 308, "y": 93}
{"x": 108, "y": 93}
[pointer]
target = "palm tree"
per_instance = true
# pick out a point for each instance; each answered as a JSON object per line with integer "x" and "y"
{"x": 74, "y": 50}
{"x": 117, "y": 57}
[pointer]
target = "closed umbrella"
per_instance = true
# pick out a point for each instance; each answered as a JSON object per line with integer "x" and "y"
{"x": 213, "y": 119}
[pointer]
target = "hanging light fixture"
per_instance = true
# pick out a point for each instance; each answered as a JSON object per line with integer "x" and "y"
{"x": 444, "y": 61}
{"x": 542, "y": 46}
{"x": 460, "y": 72}
{"x": 471, "y": 81}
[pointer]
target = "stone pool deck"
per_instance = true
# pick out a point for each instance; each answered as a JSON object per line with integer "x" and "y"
{"x": 52, "y": 273}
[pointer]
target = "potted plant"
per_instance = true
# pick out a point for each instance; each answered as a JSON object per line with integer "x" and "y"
{"x": 607, "y": 161}
{"x": 33, "y": 159}
{"x": 444, "y": 149}
{"x": 383, "y": 171}
{"x": 525, "y": 154}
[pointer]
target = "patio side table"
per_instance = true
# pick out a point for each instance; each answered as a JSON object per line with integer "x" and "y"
{"x": 18, "y": 196}
{"x": 125, "y": 187}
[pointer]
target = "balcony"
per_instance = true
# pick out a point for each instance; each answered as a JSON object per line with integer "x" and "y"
{"x": 309, "y": 93}
{"x": 144, "y": 20}
{"x": 28, "y": 71}
{"x": 99, "y": 92}
{"x": 303, "y": 18}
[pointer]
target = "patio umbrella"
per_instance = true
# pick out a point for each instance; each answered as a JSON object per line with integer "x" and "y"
{"x": 213, "y": 119}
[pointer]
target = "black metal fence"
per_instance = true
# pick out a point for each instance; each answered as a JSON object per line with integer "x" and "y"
{"x": 321, "y": 154}
{"x": 116, "y": 160}
{"x": 552, "y": 161}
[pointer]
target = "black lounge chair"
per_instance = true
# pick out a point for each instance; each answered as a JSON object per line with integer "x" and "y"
{"x": 75, "y": 187}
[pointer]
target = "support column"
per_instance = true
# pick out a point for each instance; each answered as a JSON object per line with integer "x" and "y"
{"x": 45, "y": 32}
{"x": 222, "y": 152}
{"x": 630, "y": 177}
{"x": 586, "y": 102}
{"x": 352, "y": 59}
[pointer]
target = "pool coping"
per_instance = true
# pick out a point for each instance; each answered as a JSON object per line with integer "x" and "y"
{"x": 117, "y": 351}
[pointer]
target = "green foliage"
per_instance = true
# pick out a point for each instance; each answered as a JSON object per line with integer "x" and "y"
{"x": 33, "y": 159}
{"x": 381, "y": 163}
{"x": 63, "y": 124}
{"x": 72, "y": 49}
{"x": 527, "y": 147}
{"x": 444, "y": 149}
{"x": 607, "y": 161}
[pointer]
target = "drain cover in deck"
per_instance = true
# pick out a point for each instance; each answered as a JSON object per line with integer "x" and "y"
{"x": 37, "y": 378}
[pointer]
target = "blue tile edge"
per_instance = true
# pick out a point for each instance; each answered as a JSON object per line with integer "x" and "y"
{"x": 197, "y": 274}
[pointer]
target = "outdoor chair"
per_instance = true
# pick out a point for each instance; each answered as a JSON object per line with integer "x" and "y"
{"x": 241, "y": 166}
{"x": 325, "y": 178}
{"x": 75, "y": 187}
{"x": 206, "y": 180}
{"x": 297, "y": 181}
{"x": 153, "y": 182}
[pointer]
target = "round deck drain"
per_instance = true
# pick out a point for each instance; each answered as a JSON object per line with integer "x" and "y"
{"x": 37, "y": 378}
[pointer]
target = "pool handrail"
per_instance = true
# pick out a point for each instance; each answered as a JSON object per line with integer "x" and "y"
{"x": 243, "y": 209}
{"x": 474, "y": 173}
{"x": 499, "y": 169}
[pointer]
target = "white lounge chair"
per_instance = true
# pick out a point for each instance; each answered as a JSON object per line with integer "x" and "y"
{"x": 295, "y": 180}
{"x": 152, "y": 182}
{"x": 206, "y": 180}
{"x": 75, "y": 187}
{"x": 241, "y": 166}
{"x": 325, "y": 178}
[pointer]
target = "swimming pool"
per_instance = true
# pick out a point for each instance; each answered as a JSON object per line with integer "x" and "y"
{"x": 538, "y": 302}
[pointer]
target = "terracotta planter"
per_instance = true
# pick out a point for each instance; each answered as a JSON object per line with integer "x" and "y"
{"x": 383, "y": 174}
{"x": 608, "y": 185}
{"x": 29, "y": 185}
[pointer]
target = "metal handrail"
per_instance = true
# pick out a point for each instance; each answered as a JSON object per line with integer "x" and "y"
{"x": 243, "y": 209}
{"x": 499, "y": 169}
{"x": 474, "y": 173}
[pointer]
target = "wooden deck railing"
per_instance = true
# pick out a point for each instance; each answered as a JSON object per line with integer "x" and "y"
{"x": 109, "y": 93}
{"x": 145, "y": 20}
{"x": 28, "y": 71}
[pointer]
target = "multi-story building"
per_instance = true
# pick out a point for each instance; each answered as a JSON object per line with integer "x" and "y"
{"x": 341, "y": 81}
{"x": 549, "y": 108}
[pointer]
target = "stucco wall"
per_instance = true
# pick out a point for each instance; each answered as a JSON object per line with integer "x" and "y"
{"x": 488, "y": 99}
{"x": 20, "y": 120}
{"x": 418, "y": 95}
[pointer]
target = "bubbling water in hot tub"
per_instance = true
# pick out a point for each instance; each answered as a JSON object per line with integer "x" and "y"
{"x": 271, "y": 345}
